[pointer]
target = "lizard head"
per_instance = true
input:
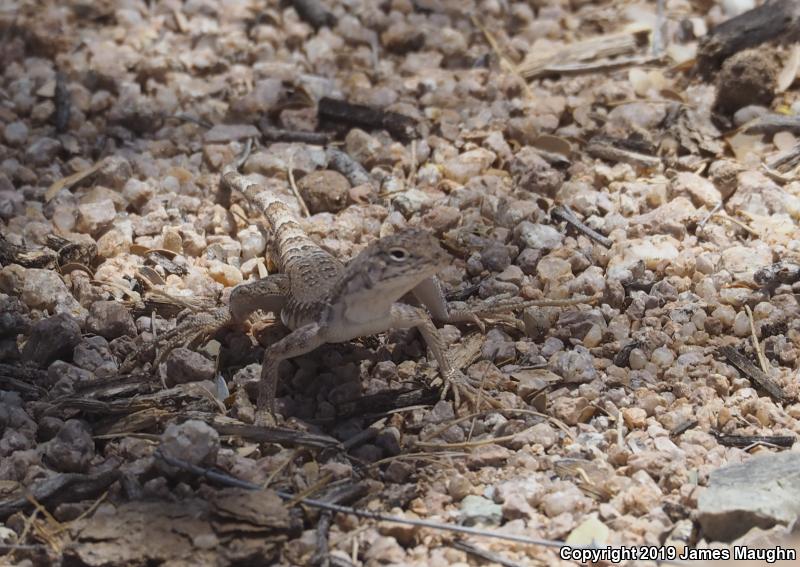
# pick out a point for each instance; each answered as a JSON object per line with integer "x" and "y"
{"x": 385, "y": 271}
{"x": 409, "y": 252}
{"x": 398, "y": 262}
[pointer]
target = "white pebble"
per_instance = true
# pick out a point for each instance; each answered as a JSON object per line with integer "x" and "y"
{"x": 705, "y": 265}
{"x": 733, "y": 8}
{"x": 706, "y": 289}
{"x": 741, "y": 325}
{"x": 225, "y": 274}
{"x": 637, "y": 359}
{"x": 252, "y": 241}
{"x": 763, "y": 310}
{"x": 662, "y": 357}
{"x": 725, "y": 314}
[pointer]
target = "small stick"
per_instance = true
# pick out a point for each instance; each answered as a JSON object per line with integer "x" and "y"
{"x": 342, "y": 162}
{"x": 272, "y": 134}
{"x": 753, "y": 372}
{"x": 772, "y": 123}
{"x": 775, "y": 175}
{"x": 364, "y": 435}
{"x": 278, "y": 469}
{"x": 512, "y": 305}
{"x": 295, "y": 190}
{"x": 760, "y": 444}
{"x": 711, "y": 213}
{"x": 605, "y": 149}
{"x": 323, "y": 481}
{"x": 785, "y": 160}
{"x": 558, "y": 423}
{"x": 194, "y": 120}
{"x": 761, "y": 360}
{"x": 63, "y": 103}
{"x": 470, "y": 444}
{"x": 683, "y": 427}
{"x": 567, "y": 215}
{"x": 27, "y": 526}
{"x": 740, "y": 224}
{"x": 88, "y": 512}
{"x": 348, "y": 113}
{"x": 419, "y": 455}
{"x": 484, "y": 554}
{"x": 782, "y": 441}
{"x": 321, "y": 556}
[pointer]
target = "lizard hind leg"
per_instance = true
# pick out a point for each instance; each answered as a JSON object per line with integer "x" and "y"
{"x": 267, "y": 294}
{"x": 185, "y": 332}
{"x": 300, "y": 341}
{"x": 196, "y": 326}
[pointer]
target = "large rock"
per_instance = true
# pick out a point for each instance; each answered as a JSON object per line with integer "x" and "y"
{"x": 651, "y": 252}
{"x": 110, "y": 319}
{"x": 760, "y": 493}
{"x": 743, "y": 261}
{"x": 184, "y": 365}
{"x": 45, "y": 290}
{"x": 470, "y": 164}
{"x": 52, "y": 339}
{"x": 72, "y": 449}
{"x": 192, "y": 441}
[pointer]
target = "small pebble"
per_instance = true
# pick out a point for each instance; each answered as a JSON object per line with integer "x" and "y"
{"x": 110, "y": 319}
{"x": 72, "y": 449}
{"x": 741, "y": 324}
{"x": 192, "y": 441}
{"x": 468, "y": 165}
{"x": 184, "y": 365}
{"x": 15, "y": 133}
{"x": 637, "y": 359}
{"x": 225, "y": 274}
{"x": 662, "y": 357}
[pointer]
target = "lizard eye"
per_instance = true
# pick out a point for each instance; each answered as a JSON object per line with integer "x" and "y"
{"x": 398, "y": 254}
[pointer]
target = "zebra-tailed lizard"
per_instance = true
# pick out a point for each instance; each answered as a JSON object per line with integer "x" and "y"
{"x": 323, "y": 301}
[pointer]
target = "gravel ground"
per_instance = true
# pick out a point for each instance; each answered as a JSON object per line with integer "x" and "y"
{"x": 609, "y": 416}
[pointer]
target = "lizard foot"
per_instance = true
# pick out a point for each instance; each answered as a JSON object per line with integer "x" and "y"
{"x": 464, "y": 388}
{"x": 265, "y": 418}
{"x": 187, "y": 331}
{"x": 465, "y": 316}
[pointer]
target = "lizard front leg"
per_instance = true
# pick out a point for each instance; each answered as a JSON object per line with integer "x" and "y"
{"x": 429, "y": 293}
{"x": 267, "y": 294}
{"x": 300, "y": 341}
{"x": 404, "y": 316}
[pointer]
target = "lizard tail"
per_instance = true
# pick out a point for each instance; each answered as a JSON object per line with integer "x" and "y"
{"x": 290, "y": 239}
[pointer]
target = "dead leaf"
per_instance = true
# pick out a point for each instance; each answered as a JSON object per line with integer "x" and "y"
{"x": 790, "y": 68}
{"x": 554, "y": 144}
{"x": 151, "y": 275}
{"x": 73, "y": 266}
{"x": 74, "y": 179}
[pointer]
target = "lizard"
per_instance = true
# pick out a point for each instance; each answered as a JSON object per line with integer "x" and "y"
{"x": 321, "y": 300}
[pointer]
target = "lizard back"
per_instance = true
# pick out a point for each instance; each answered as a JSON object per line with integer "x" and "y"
{"x": 312, "y": 271}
